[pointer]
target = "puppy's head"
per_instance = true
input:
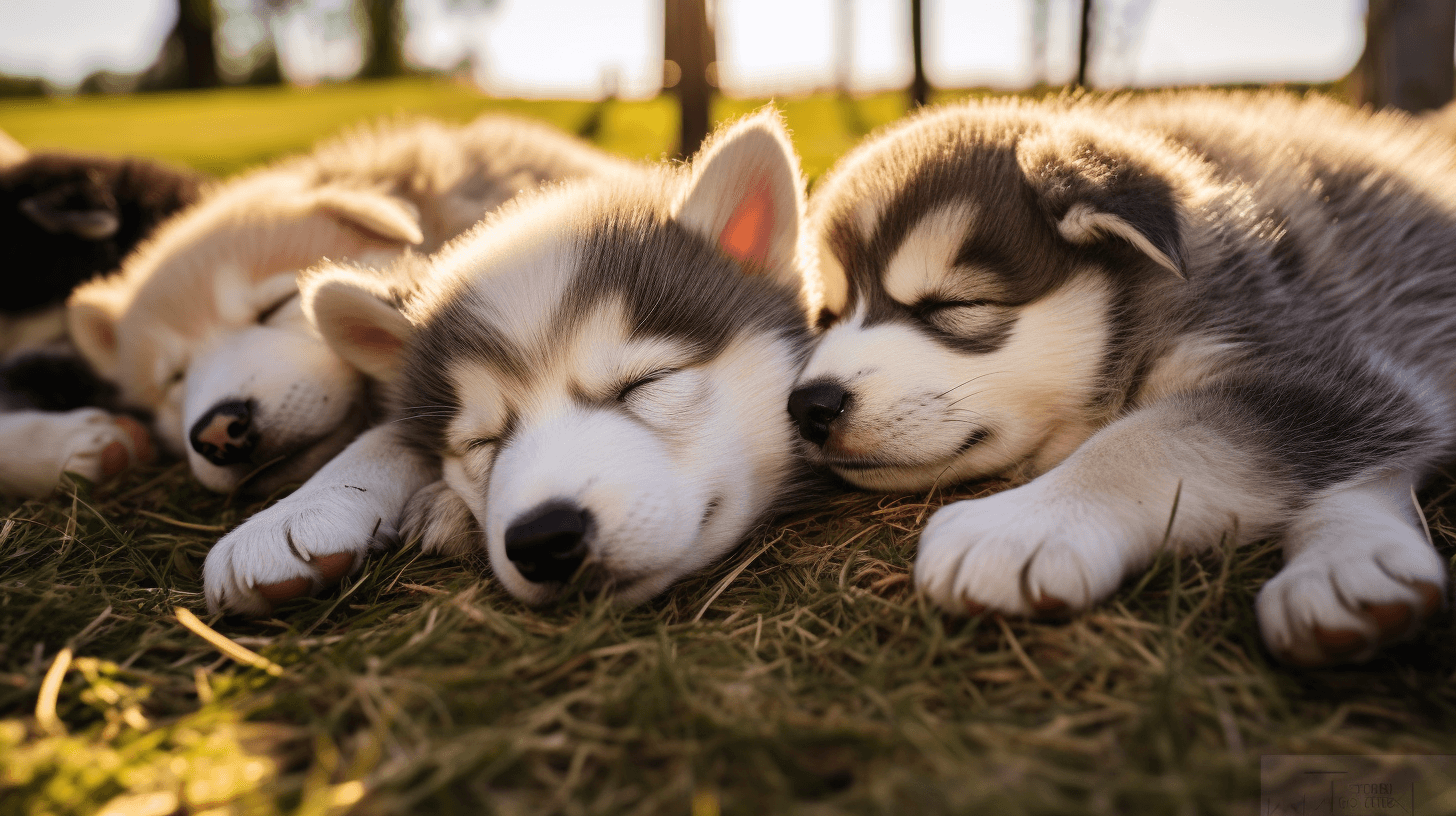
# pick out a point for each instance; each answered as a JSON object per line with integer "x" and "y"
{"x": 601, "y": 369}
{"x": 976, "y": 267}
{"x": 203, "y": 328}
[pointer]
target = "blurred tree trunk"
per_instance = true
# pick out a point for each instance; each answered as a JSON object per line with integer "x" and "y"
{"x": 1084, "y": 43}
{"x": 919, "y": 87}
{"x": 1407, "y": 62}
{"x": 386, "y": 39}
{"x": 193, "y": 34}
{"x": 688, "y": 49}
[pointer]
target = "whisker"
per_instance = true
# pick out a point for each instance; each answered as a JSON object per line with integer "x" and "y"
{"x": 968, "y": 382}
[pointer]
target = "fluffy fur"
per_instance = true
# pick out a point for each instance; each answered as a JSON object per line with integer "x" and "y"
{"x": 64, "y": 219}
{"x": 202, "y": 326}
{"x": 589, "y": 385}
{"x": 1185, "y": 319}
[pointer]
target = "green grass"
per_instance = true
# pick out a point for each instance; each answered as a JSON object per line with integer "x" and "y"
{"x": 225, "y": 131}
{"x": 801, "y": 675}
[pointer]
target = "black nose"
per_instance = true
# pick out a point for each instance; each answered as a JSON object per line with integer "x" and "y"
{"x": 815, "y": 407}
{"x": 549, "y": 542}
{"x": 224, "y": 435}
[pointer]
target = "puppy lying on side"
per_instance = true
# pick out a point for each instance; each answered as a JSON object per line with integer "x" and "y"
{"x": 203, "y": 328}
{"x": 64, "y": 219}
{"x": 1186, "y": 318}
{"x": 591, "y": 383}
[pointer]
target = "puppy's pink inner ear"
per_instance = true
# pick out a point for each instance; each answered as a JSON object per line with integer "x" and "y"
{"x": 372, "y": 338}
{"x": 746, "y": 235}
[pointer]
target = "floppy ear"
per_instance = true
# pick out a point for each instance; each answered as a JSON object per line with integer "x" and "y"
{"x": 747, "y": 196}
{"x": 1094, "y": 189}
{"x": 360, "y": 322}
{"x": 49, "y": 211}
{"x": 388, "y": 217}
{"x": 92, "y": 312}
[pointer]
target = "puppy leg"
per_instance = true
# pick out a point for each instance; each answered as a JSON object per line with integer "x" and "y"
{"x": 321, "y": 532}
{"x": 40, "y": 446}
{"x": 441, "y": 520}
{"x": 1360, "y": 572}
{"x": 1066, "y": 539}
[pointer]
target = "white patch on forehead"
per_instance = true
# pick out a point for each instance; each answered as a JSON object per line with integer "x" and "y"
{"x": 831, "y": 279}
{"x": 923, "y": 263}
{"x": 482, "y": 409}
{"x": 599, "y": 356}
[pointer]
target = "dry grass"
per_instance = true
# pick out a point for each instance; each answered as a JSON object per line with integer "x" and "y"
{"x": 801, "y": 675}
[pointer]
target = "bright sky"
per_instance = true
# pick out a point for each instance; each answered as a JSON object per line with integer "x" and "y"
{"x": 578, "y": 47}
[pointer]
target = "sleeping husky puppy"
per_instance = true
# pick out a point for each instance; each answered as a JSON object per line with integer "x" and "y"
{"x": 1186, "y": 319}
{"x": 66, "y": 218}
{"x": 590, "y": 385}
{"x": 202, "y": 326}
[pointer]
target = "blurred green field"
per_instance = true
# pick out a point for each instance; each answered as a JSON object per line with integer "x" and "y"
{"x": 801, "y": 675}
{"x": 221, "y": 132}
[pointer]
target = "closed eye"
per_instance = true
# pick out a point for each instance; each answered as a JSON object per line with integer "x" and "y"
{"x": 481, "y": 442}
{"x": 272, "y": 309}
{"x": 926, "y": 308}
{"x": 626, "y": 391}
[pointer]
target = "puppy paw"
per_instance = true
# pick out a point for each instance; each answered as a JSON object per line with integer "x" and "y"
{"x": 40, "y": 447}
{"x": 298, "y": 546}
{"x": 1025, "y": 551}
{"x": 442, "y": 522}
{"x": 102, "y": 446}
{"x": 1342, "y": 600}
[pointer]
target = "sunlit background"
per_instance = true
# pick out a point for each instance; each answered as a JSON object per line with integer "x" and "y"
{"x": 591, "y": 48}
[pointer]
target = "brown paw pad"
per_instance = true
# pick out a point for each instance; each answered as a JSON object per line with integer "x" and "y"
{"x": 114, "y": 459}
{"x": 1340, "y": 644}
{"x": 1433, "y": 598}
{"x": 333, "y": 567}
{"x": 285, "y": 590}
{"x": 1392, "y": 619}
{"x": 1050, "y": 606}
{"x": 141, "y": 441}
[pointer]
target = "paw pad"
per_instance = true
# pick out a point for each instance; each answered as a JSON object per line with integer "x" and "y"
{"x": 330, "y": 569}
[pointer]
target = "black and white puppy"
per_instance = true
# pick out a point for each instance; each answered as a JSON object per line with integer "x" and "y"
{"x": 1185, "y": 319}
{"x": 65, "y": 219}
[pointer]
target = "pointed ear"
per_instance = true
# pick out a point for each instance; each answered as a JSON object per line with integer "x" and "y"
{"x": 358, "y": 319}
{"x": 747, "y": 195}
{"x": 92, "y": 314}
{"x": 1095, "y": 189}
{"x": 385, "y": 216}
{"x": 48, "y": 210}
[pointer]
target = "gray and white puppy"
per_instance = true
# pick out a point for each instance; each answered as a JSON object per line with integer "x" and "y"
{"x": 1186, "y": 319}
{"x": 591, "y": 382}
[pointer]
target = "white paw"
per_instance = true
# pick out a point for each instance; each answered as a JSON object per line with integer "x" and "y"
{"x": 294, "y": 548}
{"x": 40, "y": 447}
{"x": 99, "y": 445}
{"x": 1024, "y": 551}
{"x": 441, "y": 520}
{"x": 1355, "y": 588}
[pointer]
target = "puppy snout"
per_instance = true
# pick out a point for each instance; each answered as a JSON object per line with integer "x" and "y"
{"x": 815, "y": 406}
{"x": 548, "y": 543}
{"x": 225, "y": 434}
